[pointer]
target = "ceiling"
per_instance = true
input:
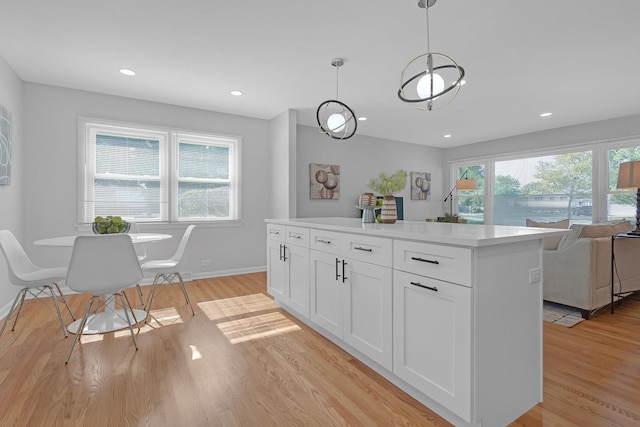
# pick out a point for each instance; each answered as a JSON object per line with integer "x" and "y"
{"x": 575, "y": 58}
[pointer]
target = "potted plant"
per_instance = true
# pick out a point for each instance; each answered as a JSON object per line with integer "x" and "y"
{"x": 387, "y": 186}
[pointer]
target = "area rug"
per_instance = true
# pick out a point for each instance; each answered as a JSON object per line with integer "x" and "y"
{"x": 561, "y": 314}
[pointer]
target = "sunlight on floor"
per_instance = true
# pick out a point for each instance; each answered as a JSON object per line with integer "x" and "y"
{"x": 228, "y": 307}
{"x": 195, "y": 353}
{"x": 84, "y": 339}
{"x": 257, "y": 327}
{"x": 164, "y": 317}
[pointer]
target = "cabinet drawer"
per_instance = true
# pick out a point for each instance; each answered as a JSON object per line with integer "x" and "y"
{"x": 327, "y": 241}
{"x": 447, "y": 263}
{"x": 297, "y": 236}
{"x": 375, "y": 250}
{"x": 276, "y": 232}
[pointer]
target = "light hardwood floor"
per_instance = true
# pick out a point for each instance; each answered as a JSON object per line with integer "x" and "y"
{"x": 241, "y": 361}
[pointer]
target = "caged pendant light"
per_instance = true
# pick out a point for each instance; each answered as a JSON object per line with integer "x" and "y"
{"x": 335, "y": 118}
{"x": 436, "y": 77}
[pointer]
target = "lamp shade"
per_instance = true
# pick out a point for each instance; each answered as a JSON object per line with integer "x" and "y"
{"x": 472, "y": 184}
{"x": 629, "y": 175}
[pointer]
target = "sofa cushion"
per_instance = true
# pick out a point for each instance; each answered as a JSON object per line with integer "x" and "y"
{"x": 550, "y": 243}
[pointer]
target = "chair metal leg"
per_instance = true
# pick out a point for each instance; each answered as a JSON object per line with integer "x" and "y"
{"x": 151, "y": 295}
{"x": 81, "y": 328}
{"x": 24, "y": 293}
{"x": 135, "y": 320}
{"x": 186, "y": 294}
{"x": 54, "y": 297}
{"x": 126, "y": 309}
{"x": 13, "y": 307}
{"x": 140, "y": 295}
{"x": 64, "y": 300}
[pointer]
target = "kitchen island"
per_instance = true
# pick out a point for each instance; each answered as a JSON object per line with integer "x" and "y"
{"x": 450, "y": 313}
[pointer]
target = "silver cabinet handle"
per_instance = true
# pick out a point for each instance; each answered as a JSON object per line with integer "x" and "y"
{"x": 337, "y": 264}
{"x": 431, "y": 288}
{"x": 295, "y": 236}
{"x": 430, "y": 261}
{"x": 363, "y": 249}
{"x": 274, "y": 232}
{"x": 328, "y": 242}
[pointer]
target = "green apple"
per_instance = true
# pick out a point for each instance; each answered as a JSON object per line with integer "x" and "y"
{"x": 379, "y": 202}
{"x": 379, "y": 218}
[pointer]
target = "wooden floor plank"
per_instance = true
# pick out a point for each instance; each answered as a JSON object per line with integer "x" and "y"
{"x": 242, "y": 361}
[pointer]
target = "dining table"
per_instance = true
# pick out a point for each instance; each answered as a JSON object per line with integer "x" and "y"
{"x": 110, "y": 319}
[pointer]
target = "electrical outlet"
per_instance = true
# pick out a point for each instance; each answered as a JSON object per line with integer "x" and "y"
{"x": 205, "y": 262}
{"x": 535, "y": 275}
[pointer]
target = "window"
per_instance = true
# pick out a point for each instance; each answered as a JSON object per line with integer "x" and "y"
{"x": 575, "y": 182}
{"x": 471, "y": 202}
{"x": 148, "y": 174}
{"x": 543, "y": 188}
{"x": 620, "y": 203}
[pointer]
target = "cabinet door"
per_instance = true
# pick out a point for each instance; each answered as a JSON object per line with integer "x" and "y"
{"x": 368, "y": 310}
{"x": 432, "y": 335}
{"x": 297, "y": 289}
{"x": 327, "y": 291}
{"x": 276, "y": 272}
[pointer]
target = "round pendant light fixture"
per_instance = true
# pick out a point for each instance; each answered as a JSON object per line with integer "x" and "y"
{"x": 335, "y": 118}
{"x": 435, "y": 78}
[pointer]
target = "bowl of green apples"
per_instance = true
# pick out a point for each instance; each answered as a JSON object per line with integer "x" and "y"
{"x": 109, "y": 225}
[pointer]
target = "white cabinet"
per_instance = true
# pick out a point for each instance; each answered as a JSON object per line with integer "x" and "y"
{"x": 352, "y": 300}
{"x": 288, "y": 266}
{"x": 445, "y": 311}
{"x": 432, "y": 335}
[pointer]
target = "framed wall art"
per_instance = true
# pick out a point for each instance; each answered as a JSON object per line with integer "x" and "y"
{"x": 324, "y": 181}
{"x": 420, "y": 186}
{"x": 5, "y": 146}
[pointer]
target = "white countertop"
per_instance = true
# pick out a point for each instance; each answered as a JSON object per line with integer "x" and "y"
{"x": 473, "y": 235}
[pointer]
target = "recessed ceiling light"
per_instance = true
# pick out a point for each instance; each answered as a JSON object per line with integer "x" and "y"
{"x": 362, "y": 118}
{"x": 127, "y": 72}
{"x": 236, "y": 92}
{"x": 463, "y": 82}
{"x": 447, "y": 136}
{"x": 545, "y": 114}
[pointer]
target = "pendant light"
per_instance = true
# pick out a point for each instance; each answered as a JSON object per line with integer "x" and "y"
{"x": 436, "y": 78}
{"x": 335, "y": 118}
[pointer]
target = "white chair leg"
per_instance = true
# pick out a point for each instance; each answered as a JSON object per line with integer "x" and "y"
{"x": 13, "y": 307}
{"x": 140, "y": 295}
{"x": 15, "y": 321}
{"x": 83, "y": 322}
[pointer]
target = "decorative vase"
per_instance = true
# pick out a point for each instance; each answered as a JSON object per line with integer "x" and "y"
{"x": 389, "y": 214}
{"x": 367, "y": 199}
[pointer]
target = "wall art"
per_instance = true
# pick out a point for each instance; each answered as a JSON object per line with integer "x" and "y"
{"x": 324, "y": 181}
{"x": 5, "y": 146}
{"x": 420, "y": 186}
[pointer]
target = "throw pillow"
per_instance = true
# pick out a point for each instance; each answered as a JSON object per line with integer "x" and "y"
{"x": 550, "y": 243}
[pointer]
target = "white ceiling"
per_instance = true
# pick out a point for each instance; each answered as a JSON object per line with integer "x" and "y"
{"x": 576, "y": 58}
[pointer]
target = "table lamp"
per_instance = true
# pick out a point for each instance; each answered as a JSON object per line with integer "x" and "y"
{"x": 629, "y": 178}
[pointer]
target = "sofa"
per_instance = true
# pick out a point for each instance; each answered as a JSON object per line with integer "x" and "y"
{"x": 577, "y": 267}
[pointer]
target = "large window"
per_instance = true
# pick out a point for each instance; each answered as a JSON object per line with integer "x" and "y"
{"x": 543, "y": 188}
{"x": 575, "y": 183}
{"x": 147, "y": 174}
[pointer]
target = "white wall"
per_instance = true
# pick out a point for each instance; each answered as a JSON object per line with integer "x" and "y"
{"x": 282, "y": 159}
{"x": 50, "y": 136}
{"x": 11, "y": 196}
{"x": 604, "y": 130}
{"x": 362, "y": 158}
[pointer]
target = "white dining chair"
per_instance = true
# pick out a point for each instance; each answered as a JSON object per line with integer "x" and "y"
{"x": 33, "y": 280}
{"x": 167, "y": 271}
{"x": 104, "y": 266}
